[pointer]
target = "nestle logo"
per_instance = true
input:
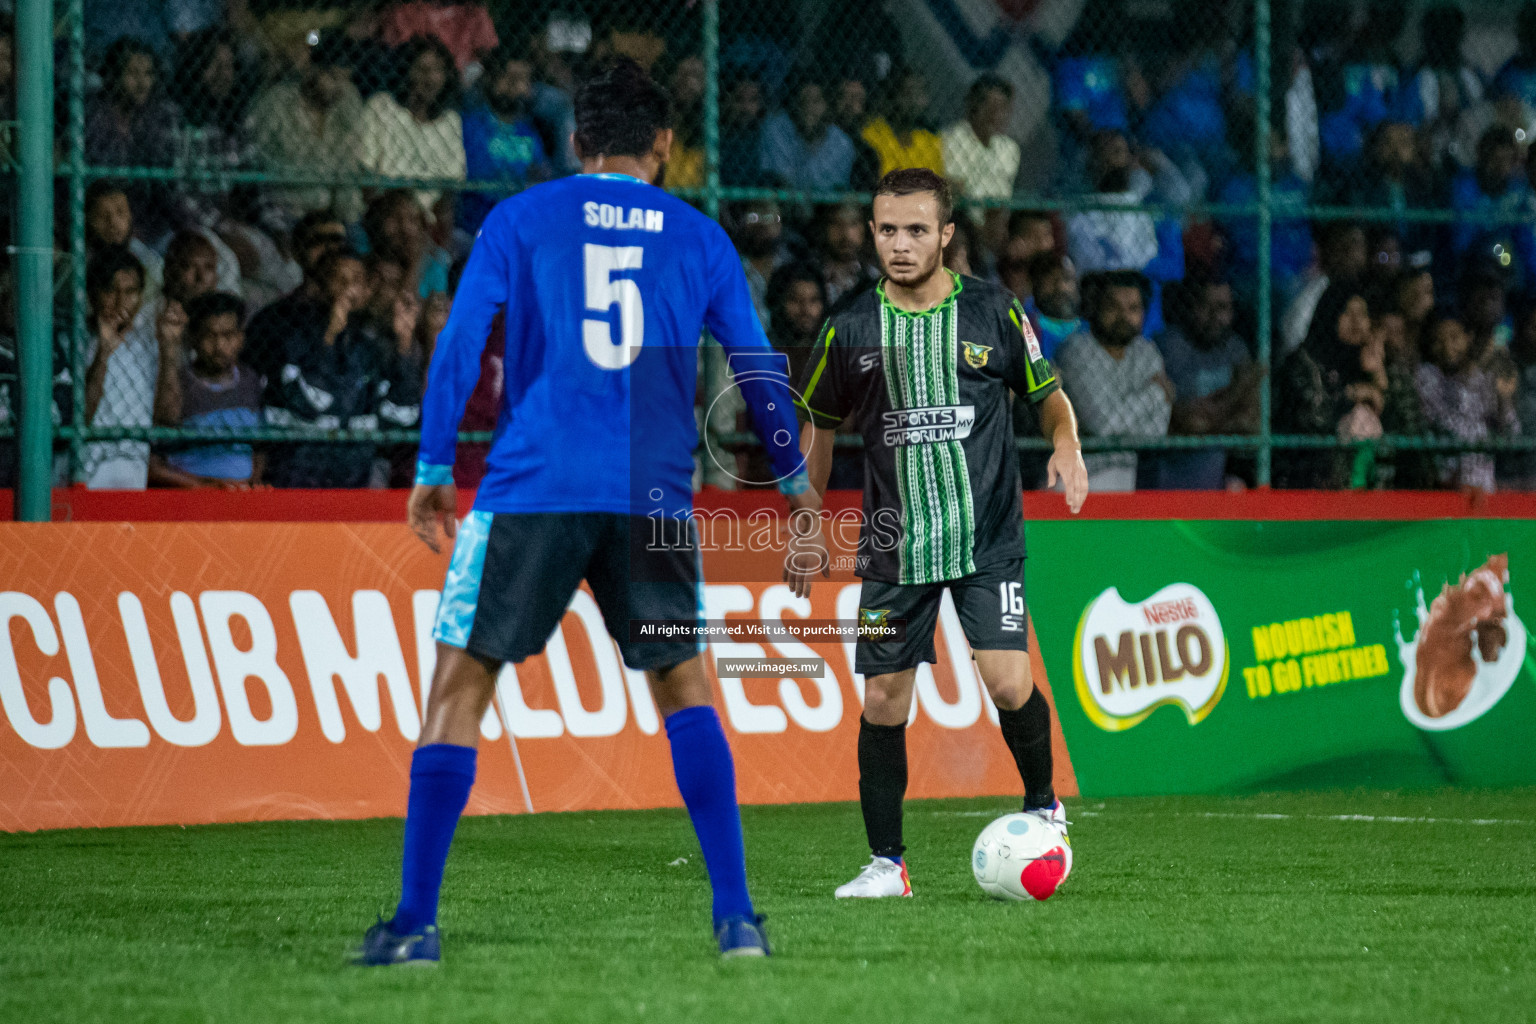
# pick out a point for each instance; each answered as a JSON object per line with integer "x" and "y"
{"x": 1163, "y": 613}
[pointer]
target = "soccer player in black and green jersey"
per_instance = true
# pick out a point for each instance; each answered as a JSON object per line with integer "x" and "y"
{"x": 923, "y": 363}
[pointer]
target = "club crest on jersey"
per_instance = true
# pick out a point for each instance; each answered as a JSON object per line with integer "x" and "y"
{"x": 976, "y": 355}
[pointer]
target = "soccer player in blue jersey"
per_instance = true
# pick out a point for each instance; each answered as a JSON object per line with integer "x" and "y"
{"x": 605, "y": 282}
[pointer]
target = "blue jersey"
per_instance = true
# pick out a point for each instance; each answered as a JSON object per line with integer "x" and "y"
{"x": 606, "y": 283}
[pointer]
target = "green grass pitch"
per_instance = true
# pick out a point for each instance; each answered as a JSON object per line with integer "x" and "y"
{"x": 1273, "y": 908}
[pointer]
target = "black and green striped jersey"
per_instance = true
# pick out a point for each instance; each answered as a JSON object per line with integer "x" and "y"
{"x": 929, "y": 392}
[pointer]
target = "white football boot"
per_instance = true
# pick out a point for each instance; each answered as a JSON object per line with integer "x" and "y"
{"x": 881, "y": 877}
{"x": 1055, "y": 814}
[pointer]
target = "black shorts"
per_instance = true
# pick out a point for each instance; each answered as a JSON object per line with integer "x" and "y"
{"x": 513, "y": 576}
{"x": 990, "y": 603}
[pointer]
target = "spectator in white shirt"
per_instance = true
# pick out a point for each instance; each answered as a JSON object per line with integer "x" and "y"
{"x": 311, "y": 125}
{"x": 415, "y": 131}
{"x": 981, "y": 159}
{"x": 1114, "y": 376}
{"x": 1122, "y": 239}
{"x": 122, "y": 367}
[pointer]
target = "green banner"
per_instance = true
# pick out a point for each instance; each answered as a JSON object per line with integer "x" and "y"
{"x": 1200, "y": 657}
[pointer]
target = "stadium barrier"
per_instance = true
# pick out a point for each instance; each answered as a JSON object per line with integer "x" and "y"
{"x": 155, "y": 672}
{"x": 159, "y": 673}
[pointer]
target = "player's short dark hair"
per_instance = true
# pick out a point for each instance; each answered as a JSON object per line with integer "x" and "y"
{"x": 620, "y": 110}
{"x": 985, "y": 83}
{"x": 909, "y": 181}
{"x": 108, "y": 262}
{"x": 205, "y": 307}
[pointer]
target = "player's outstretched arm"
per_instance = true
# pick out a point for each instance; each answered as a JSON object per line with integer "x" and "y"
{"x": 1059, "y": 424}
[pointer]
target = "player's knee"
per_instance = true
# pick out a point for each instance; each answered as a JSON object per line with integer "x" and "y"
{"x": 462, "y": 688}
{"x": 888, "y": 699}
{"x": 1011, "y": 688}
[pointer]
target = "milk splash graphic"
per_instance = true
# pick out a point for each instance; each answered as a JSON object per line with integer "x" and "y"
{"x": 1492, "y": 679}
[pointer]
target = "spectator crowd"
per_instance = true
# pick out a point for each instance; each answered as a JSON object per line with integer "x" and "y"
{"x": 312, "y": 298}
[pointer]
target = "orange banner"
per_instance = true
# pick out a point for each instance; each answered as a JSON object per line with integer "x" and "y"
{"x": 188, "y": 673}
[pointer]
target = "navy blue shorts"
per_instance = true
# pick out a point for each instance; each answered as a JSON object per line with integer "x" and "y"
{"x": 513, "y": 575}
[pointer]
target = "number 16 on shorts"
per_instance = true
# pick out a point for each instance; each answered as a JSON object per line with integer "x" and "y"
{"x": 1010, "y": 597}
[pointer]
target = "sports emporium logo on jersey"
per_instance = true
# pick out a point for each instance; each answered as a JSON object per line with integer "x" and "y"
{"x": 976, "y": 355}
{"x": 928, "y": 425}
{"x": 1130, "y": 658}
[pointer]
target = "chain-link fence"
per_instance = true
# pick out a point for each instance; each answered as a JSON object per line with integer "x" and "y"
{"x": 1280, "y": 242}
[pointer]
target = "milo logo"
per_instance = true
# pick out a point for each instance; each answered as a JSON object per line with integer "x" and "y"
{"x": 1131, "y": 658}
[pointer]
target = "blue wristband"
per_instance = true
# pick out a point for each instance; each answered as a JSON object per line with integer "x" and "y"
{"x": 797, "y": 484}
{"x": 428, "y": 475}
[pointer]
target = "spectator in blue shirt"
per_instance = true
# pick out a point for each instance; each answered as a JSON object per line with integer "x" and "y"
{"x": 801, "y": 148}
{"x": 1290, "y": 239}
{"x": 1518, "y": 75}
{"x": 1215, "y": 382}
{"x": 1492, "y": 187}
{"x": 741, "y": 130}
{"x": 1052, "y": 303}
{"x": 214, "y": 389}
{"x": 1188, "y": 120}
{"x": 501, "y": 142}
{"x": 1358, "y": 91}
{"x": 1095, "y": 86}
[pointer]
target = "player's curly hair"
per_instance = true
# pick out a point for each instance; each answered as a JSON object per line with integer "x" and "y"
{"x": 912, "y": 180}
{"x": 619, "y": 111}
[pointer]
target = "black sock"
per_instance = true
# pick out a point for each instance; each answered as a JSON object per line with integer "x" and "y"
{"x": 1027, "y": 732}
{"x": 882, "y": 784}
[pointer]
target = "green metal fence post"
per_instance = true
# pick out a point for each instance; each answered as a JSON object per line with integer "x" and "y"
{"x": 712, "y": 108}
{"x": 34, "y": 255}
{"x": 1265, "y": 314}
{"x": 77, "y": 229}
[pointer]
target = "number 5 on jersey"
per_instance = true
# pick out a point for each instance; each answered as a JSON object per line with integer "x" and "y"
{"x": 603, "y": 291}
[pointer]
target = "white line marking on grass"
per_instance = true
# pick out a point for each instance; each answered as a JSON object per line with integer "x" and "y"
{"x": 1389, "y": 818}
{"x": 1257, "y": 816}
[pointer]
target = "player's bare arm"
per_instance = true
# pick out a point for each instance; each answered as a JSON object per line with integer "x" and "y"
{"x": 1059, "y": 425}
{"x": 807, "y": 554}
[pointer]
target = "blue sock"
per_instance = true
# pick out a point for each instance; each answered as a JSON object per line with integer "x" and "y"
{"x": 706, "y": 777}
{"x": 441, "y": 776}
